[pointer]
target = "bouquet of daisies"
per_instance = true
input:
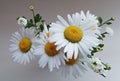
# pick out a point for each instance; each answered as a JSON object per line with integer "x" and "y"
{"x": 68, "y": 46}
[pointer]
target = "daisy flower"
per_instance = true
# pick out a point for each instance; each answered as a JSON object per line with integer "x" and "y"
{"x": 22, "y": 45}
{"x": 75, "y": 35}
{"x": 22, "y": 21}
{"x": 73, "y": 67}
{"x": 48, "y": 53}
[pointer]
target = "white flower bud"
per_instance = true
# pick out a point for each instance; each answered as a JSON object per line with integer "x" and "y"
{"x": 109, "y": 31}
{"x": 22, "y": 21}
{"x": 31, "y": 7}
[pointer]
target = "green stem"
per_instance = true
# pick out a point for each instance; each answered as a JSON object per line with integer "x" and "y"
{"x": 104, "y": 23}
{"x": 103, "y": 75}
{"x": 111, "y": 19}
{"x": 33, "y": 16}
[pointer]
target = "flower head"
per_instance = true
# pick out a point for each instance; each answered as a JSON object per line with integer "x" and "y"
{"x": 22, "y": 21}
{"x": 47, "y": 50}
{"x": 22, "y": 45}
{"x": 73, "y": 67}
{"x": 75, "y": 35}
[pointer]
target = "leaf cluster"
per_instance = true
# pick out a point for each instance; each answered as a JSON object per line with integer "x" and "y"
{"x": 107, "y": 22}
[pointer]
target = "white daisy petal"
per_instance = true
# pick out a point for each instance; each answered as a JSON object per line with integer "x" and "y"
{"x": 14, "y": 40}
{"x": 13, "y": 47}
{"x": 73, "y": 70}
{"x": 76, "y": 51}
{"x": 70, "y": 19}
{"x": 71, "y": 50}
{"x": 77, "y": 19}
{"x": 62, "y": 20}
{"x": 66, "y": 48}
{"x": 62, "y": 44}
{"x": 43, "y": 61}
{"x": 84, "y": 48}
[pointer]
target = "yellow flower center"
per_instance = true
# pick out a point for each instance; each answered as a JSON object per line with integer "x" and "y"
{"x": 25, "y": 44}
{"x": 71, "y": 61}
{"x": 50, "y": 49}
{"x": 73, "y": 34}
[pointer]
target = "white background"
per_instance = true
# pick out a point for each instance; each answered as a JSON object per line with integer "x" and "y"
{"x": 49, "y": 9}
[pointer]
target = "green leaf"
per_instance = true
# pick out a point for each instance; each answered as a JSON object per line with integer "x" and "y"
{"x": 108, "y": 23}
{"x": 31, "y": 21}
{"x": 94, "y": 50}
{"x": 101, "y": 45}
{"x": 100, "y": 20}
{"x": 103, "y": 75}
{"x": 30, "y": 24}
{"x": 37, "y": 18}
{"x": 103, "y": 35}
{"x": 48, "y": 26}
{"x": 41, "y": 27}
{"x": 100, "y": 37}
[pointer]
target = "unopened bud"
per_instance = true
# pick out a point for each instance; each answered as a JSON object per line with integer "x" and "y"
{"x": 112, "y": 18}
{"x": 31, "y": 7}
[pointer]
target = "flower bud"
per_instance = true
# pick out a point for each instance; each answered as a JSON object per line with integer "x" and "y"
{"x": 31, "y": 7}
{"x": 109, "y": 31}
{"x": 22, "y": 21}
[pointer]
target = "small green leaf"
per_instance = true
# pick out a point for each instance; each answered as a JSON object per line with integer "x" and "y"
{"x": 108, "y": 23}
{"x": 41, "y": 27}
{"x": 103, "y": 35}
{"x": 100, "y": 20}
{"x": 101, "y": 45}
{"x": 103, "y": 75}
{"x": 48, "y": 26}
{"x": 100, "y": 37}
{"x": 30, "y": 24}
{"x": 37, "y": 18}
{"x": 31, "y": 21}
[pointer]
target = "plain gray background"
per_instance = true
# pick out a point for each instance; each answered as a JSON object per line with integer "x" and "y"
{"x": 49, "y": 9}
